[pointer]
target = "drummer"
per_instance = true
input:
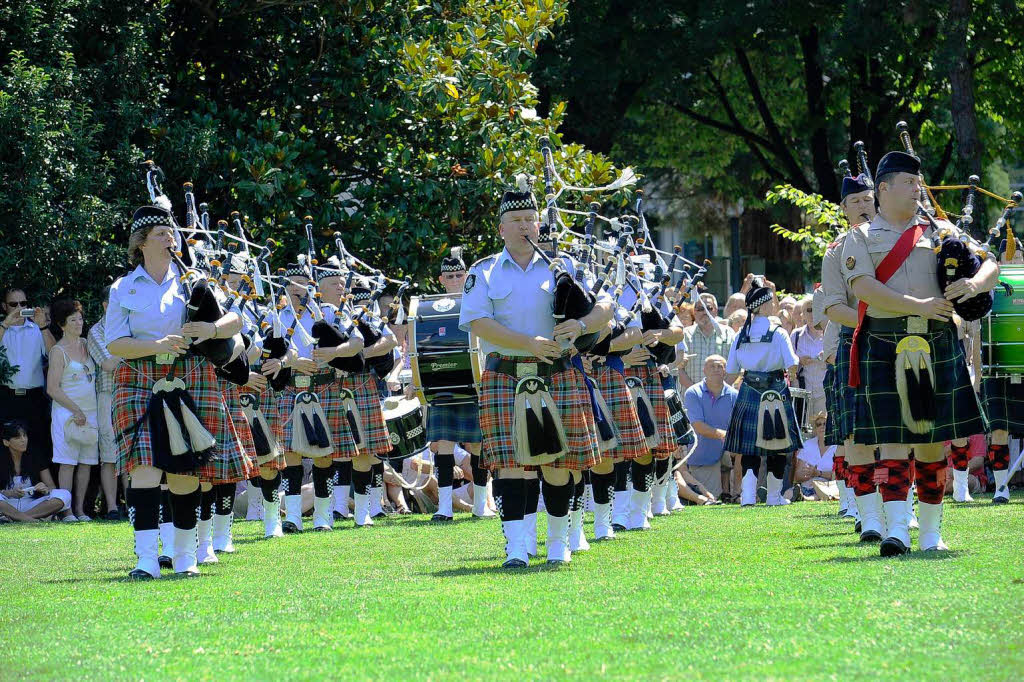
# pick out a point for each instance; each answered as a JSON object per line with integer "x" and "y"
{"x": 451, "y": 424}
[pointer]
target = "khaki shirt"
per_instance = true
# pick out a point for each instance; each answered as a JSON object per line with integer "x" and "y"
{"x": 837, "y": 289}
{"x": 866, "y": 246}
{"x": 830, "y": 342}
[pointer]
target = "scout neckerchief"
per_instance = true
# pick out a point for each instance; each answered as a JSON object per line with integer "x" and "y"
{"x": 886, "y": 269}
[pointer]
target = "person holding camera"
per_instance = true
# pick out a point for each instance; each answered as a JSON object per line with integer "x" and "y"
{"x": 24, "y": 396}
{"x": 27, "y": 492}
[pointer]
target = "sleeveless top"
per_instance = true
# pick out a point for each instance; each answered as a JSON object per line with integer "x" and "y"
{"x": 78, "y": 381}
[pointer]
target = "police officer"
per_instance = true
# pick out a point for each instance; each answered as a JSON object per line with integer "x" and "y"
{"x": 913, "y": 387}
{"x": 507, "y": 304}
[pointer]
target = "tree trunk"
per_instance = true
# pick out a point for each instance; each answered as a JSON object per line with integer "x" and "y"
{"x": 824, "y": 172}
{"x": 961, "y": 78}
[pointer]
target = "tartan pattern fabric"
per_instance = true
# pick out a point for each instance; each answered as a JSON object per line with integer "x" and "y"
{"x": 839, "y": 468}
{"x": 97, "y": 346}
{"x": 612, "y": 385}
{"x": 831, "y": 410}
{"x": 862, "y": 479}
{"x": 371, "y": 415}
{"x": 234, "y": 410}
{"x": 844, "y": 395}
{"x": 931, "y": 481}
{"x": 1003, "y": 403}
{"x": 330, "y": 403}
{"x": 959, "y": 456}
{"x": 133, "y": 387}
{"x": 999, "y": 457}
{"x": 656, "y": 393}
{"x": 497, "y": 407}
{"x": 741, "y": 437}
{"x": 457, "y": 423}
{"x": 878, "y": 417}
{"x": 268, "y": 406}
{"x": 893, "y": 477}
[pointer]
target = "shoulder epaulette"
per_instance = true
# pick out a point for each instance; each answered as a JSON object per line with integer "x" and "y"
{"x": 485, "y": 258}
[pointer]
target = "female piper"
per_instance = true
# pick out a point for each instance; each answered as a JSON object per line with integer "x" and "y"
{"x": 145, "y": 325}
{"x": 763, "y": 421}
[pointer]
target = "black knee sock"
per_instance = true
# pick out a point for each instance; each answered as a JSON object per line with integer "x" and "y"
{"x": 343, "y": 472}
{"x": 510, "y": 498}
{"x": 578, "y": 492}
{"x": 270, "y": 487}
{"x": 293, "y": 479}
{"x": 378, "y": 474}
{"x": 777, "y": 465}
{"x": 621, "y": 475}
{"x": 661, "y": 468}
{"x": 603, "y": 485}
{"x": 643, "y": 475}
{"x": 143, "y": 507}
{"x": 322, "y": 481}
{"x": 479, "y": 473}
{"x": 444, "y": 468}
{"x": 186, "y": 509}
{"x": 360, "y": 482}
{"x": 586, "y": 477}
{"x": 532, "y": 495}
{"x": 207, "y": 500}
{"x": 556, "y": 498}
{"x": 225, "y": 494}
{"x": 166, "y": 508}
{"x": 750, "y": 463}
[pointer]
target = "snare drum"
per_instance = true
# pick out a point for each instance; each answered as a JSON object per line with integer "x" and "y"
{"x": 445, "y": 360}
{"x": 802, "y": 404}
{"x": 405, "y": 426}
{"x": 1002, "y": 331}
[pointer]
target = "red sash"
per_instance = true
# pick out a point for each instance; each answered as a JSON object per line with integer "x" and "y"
{"x": 886, "y": 269}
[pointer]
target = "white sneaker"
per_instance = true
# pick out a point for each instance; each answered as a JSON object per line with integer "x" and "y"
{"x": 70, "y": 518}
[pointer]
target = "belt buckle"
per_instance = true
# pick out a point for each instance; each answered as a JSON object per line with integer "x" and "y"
{"x": 302, "y": 381}
{"x": 526, "y": 369}
{"x": 20, "y": 391}
{"x": 917, "y": 325}
{"x": 165, "y": 358}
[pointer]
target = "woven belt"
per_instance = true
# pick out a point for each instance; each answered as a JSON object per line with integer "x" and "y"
{"x": 903, "y": 325}
{"x": 762, "y": 379}
{"x": 540, "y": 369}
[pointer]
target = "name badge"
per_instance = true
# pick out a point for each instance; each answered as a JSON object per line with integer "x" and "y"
{"x": 165, "y": 358}
{"x": 301, "y": 381}
{"x": 917, "y": 325}
{"x": 526, "y": 369}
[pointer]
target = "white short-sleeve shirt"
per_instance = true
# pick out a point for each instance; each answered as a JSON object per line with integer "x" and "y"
{"x": 757, "y": 356}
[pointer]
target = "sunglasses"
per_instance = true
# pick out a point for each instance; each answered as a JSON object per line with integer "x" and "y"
{"x": 455, "y": 276}
{"x": 17, "y": 304}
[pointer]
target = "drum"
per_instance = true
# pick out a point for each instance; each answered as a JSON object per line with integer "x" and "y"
{"x": 801, "y": 404}
{"x": 445, "y": 360}
{"x": 405, "y": 426}
{"x": 1002, "y": 331}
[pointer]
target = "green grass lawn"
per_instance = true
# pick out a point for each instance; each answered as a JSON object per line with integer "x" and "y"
{"x": 711, "y": 592}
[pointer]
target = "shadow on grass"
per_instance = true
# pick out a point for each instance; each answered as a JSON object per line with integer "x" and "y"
{"x": 835, "y": 534}
{"x": 913, "y": 556}
{"x": 496, "y": 570}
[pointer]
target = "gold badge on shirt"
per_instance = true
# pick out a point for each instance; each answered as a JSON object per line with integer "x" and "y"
{"x": 851, "y": 263}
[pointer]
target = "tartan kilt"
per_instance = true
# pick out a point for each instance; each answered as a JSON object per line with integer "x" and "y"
{"x": 456, "y": 423}
{"x": 330, "y": 402}
{"x": 371, "y": 414}
{"x": 612, "y": 385}
{"x": 268, "y": 406}
{"x": 652, "y": 384}
{"x": 1003, "y": 403}
{"x": 234, "y": 408}
{"x": 845, "y": 395}
{"x": 831, "y": 408}
{"x": 878, "y": 416}
{"x": 497, "y": 407}
{"x": 741, "y": 437}
{"x": 133, "y": 387}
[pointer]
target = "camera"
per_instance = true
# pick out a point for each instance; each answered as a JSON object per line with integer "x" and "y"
{"x": 28, "y": 312}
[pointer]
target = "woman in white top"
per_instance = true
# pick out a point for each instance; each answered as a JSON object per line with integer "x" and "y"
{"x": 763, "y": 422}
{"x": 814, "y": 460}
{"x": 71, "y": 383}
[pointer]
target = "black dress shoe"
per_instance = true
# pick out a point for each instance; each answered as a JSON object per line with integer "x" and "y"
{"x": 893, "y": 547}
{"x": 112, "y": 515}
{"x": 139, "y": 574}
{"x": 164, "y": 561}
{"x": 322, "y": 529}
{"x": 440, "y": 518}
{"x": 1000, "y": 500}
{"x": 856, "y": 527}
{"x": 514, "y": 563}
{"x": 841, "y": 512}
{"x": 289, "y": 528}
{"x": 618, "y": 527}
{"x": 379, "y": 515}
{"x": 871, "y": 536}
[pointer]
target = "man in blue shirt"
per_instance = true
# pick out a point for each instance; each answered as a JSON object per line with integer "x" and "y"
{"x": 709, "y": 406}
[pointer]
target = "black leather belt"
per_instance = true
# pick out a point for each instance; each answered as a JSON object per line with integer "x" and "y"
{"x": 21, "y": 391}
{"x": 318, "y": 379}
{"x": 761, "y": 380}
{"x": 543, "y": 370}
{"x": 903, "y": 325}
